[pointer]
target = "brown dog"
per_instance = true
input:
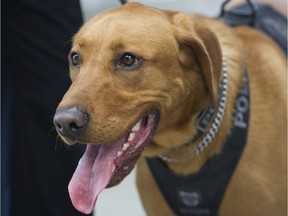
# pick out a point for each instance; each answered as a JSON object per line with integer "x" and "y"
{"x": 139, "y": 71}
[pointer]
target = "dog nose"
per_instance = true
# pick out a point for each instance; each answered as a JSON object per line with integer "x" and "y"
{"x": 71, "y": 122}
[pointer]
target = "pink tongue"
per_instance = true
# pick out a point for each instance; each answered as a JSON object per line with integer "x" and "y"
{"x": 92, "y": 175}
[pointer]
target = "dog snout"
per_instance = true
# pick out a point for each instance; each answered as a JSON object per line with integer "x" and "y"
{"x": 71, "y": 122}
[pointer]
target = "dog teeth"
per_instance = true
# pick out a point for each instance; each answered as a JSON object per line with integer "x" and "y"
{"x": 125, "y": 146}
{"x": 119, "y": 153}
{"x": 136, "y": 126}
{"x": 131, "y": 136}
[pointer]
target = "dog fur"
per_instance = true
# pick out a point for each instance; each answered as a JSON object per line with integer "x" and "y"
{"x": 182, "y": 64}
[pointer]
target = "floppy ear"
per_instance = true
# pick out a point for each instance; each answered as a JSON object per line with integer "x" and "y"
{"x": 194, "y": 34}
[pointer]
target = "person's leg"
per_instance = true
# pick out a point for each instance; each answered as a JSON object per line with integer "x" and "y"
{"x": 37, "y": 36}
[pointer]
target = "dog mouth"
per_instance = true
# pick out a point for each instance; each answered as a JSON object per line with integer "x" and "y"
{"x": 104, "y": 166}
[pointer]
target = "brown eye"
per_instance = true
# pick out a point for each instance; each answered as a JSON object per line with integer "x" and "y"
{"x": 128, "y": 61}
{"x": 75, "y": 59}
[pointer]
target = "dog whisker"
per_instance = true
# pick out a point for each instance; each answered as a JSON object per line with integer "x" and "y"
{"x": 56, "y": 143}
{"x": 50, "y": 131}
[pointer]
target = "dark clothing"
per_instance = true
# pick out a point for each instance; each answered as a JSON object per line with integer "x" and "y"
{"x": 36, "y": 166}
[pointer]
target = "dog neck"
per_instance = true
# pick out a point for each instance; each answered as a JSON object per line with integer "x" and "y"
{"x": 192, "y": 156}
{"x": 204, "y": 121}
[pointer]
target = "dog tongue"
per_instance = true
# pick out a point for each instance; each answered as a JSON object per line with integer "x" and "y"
{"x": 92, "y": 175}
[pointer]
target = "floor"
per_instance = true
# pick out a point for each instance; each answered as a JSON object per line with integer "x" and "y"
{"x": 123, "y": 200}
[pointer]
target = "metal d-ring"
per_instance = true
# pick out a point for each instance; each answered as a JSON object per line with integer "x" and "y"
{"x": 251, "y": 3}
{"x": 250, "y": 13}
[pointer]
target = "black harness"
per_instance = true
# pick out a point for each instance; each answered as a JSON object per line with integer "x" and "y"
{"x": 200, "y": 194}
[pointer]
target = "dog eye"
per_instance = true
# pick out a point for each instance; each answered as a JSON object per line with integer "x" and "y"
{"x": 75, "y": 59}
{"x": 128, "y": 61}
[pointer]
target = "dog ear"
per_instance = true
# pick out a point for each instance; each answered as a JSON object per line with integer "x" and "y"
{"x": 195, "y": 35}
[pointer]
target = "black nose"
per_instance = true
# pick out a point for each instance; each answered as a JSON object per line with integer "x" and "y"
{"x": 71, "y": 122}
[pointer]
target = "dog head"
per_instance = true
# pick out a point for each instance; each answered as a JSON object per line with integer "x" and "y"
{"x": 132, "y": 68}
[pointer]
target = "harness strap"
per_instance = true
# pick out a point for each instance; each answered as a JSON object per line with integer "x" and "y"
{"x": 261, "y": 17}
